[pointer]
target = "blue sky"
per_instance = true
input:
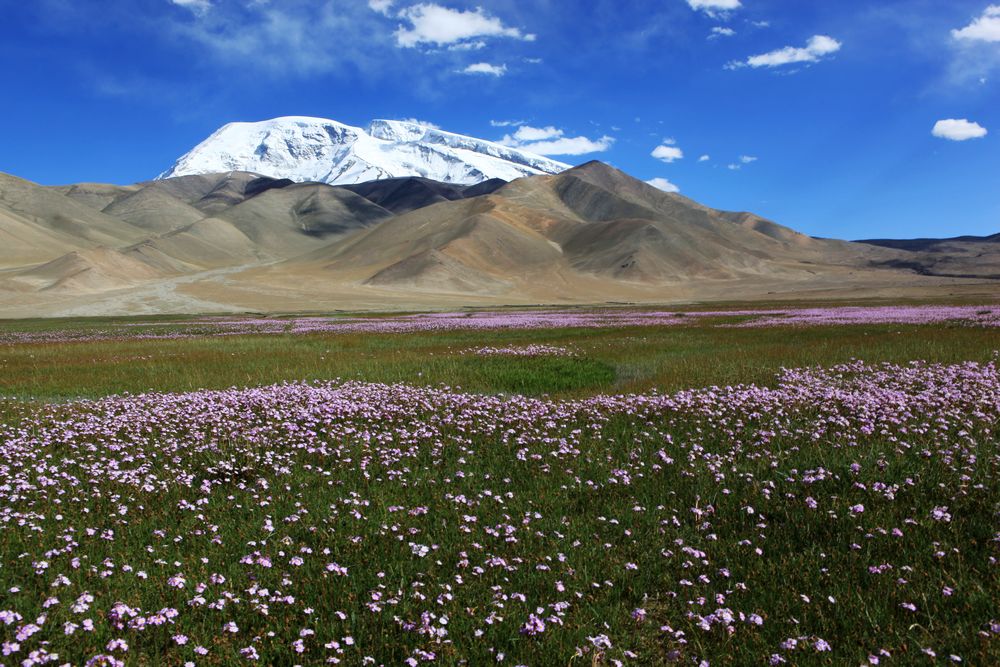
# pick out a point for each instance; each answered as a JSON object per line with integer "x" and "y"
{"x": 824, "y": 116}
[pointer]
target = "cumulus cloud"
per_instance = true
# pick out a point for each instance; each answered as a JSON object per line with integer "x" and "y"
{"x": 571, "y": 146}
{"x": 667, "y": 153}
{"x": 663, "y": 184}
{"x": 704, "y": 158}
{"x": 485, "y": 68}
{"x": 381, "y": 6}
{"x": 985, "y": 28}
{"x": 552, "y": 141}
{"x": 958, "y": 129}
{"x": 714, "y": 7}
{"x": 817, "y": 47}
{"x": 196, "y": 6}
{"x": 527, "y": 133}
{"x": 720, "y": 31}
{"x": 441, "y": 26}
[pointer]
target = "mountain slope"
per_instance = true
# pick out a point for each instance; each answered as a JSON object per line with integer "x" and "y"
{"x": 306, "y": 149}
{"x": 402, "y": 195}
{"x": 40, "y": 224}
{"x": 961, "y": 256}
{"x": 238, "y": 240}
{"x": 590, "y": 220}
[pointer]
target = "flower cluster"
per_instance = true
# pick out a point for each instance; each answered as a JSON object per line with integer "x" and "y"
{"x": 535, "y": 350}
{"x": 364, "y": 524}
{"x": 988, "y": 316}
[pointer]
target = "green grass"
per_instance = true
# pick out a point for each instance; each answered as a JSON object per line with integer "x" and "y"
{"x": 622, "y": 360}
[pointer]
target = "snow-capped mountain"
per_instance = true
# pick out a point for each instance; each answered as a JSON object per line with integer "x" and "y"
{"x": 320, "y": 150}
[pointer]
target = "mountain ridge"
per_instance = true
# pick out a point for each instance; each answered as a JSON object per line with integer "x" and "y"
{"x": 307, "y": 149}
{"x": 237, "y": 241}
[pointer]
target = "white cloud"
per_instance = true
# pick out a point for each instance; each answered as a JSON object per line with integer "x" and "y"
{"x": 720, "y": 31}
{"x": 817, "y": 47}
{"x": 667, "y": 153}
{"x": 571, "y": 146}
{"x": 381, "y": 6}
{"x": 485, "y": 68}
{"x": 441, "y": 26}
{"x": 663, "y": 184}
{"x": 714, "y": 7}
{"x": 506, "y": 123}
{"x": 958, "y": 129}
{"x": 551, "y": 141}
{"x": 747, "y": 159}
{"x": 704, "y": 158}
{"x": 196, "y": 6}
{"x": 527, "y": 133}
{"x": 986, "y": 28}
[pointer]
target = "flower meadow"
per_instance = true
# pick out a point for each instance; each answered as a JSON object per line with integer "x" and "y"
{"x": 841, "y": 516}
{"x": 533, "y": 350}
{"x": 984, "y": 316}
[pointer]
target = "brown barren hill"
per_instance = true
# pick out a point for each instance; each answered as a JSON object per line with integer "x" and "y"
{"x": 237, "y": 240}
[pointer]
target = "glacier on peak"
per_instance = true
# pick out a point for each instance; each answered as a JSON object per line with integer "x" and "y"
{"x": 308, "y": 149}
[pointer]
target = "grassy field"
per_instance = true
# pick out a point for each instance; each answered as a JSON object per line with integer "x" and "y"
{"x": 838, "y": 517}
{"x": 611, "y": 360}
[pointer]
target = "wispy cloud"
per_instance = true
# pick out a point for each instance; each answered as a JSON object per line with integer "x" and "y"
{"x": 721, "y": 31}
{"x": 293, "y": 37}
{"x": 815, "y": 49}
{"x": 196, "y": 6}
{"x": 741, "y": 162}
{"x": 506, "y": 123}
{"x": 958, "y": 129}
{"x": 550, "y": 140}
{"x": 421, "y": 123}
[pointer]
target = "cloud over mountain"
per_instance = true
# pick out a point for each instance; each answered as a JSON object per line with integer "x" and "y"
{"x": 552, "y": 141}
{"x": 663, "y": 184}
{"x": 667, "y": 153}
